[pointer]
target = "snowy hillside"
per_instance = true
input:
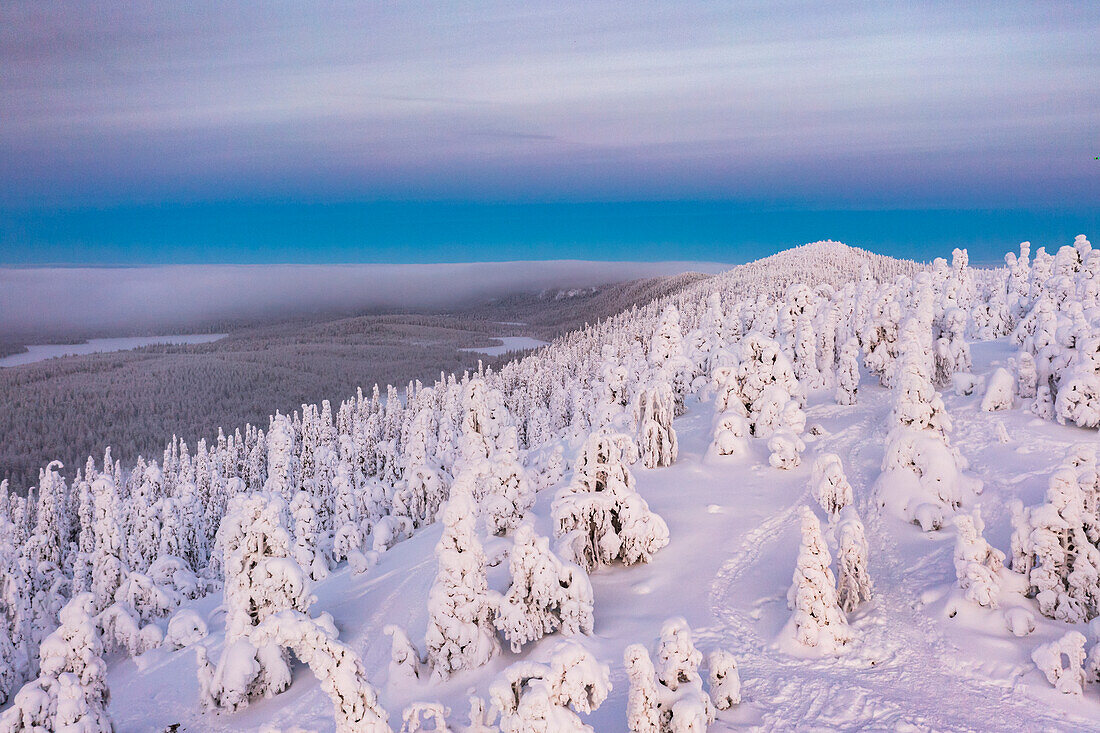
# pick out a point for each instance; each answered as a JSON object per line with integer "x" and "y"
{"x": 826, "y": 490}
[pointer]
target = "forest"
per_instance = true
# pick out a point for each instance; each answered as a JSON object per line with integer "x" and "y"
{"x": 67, "y": 409}
{"x": 528, "y": 476}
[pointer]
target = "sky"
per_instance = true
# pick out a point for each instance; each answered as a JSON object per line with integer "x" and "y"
{"x": 154, "y": 133}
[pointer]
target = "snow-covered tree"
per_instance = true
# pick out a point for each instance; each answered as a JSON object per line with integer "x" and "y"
{"x": 308, "y": 549}
{"x": 731, "y": 434}
{"x": 49, "y": 540}
{"x": 347, "y": 520}
{"x": 668, "y": 695}
{"x": 1000, "y": 391}
{"x": 545, "y": 594}
{"x": 853, "y": 579}
{"x": 480, "y": 720}
{"x": 1027, "y": 377}
{"x": 643, "y": 703}
{"x": 762, "y": 387}
{"x": 537, "y": 698}
{"x": 261, "y": 579}
{"x": 817, "y": 621}
{"x": 1062, "y": 663}
{"x": 600, "y": 515}
{"x": 336, "y": 666}
{"x": 917, "y": 404}
{"x": 553, "y": 470}
{"x": 724, "y": 679}
{"x": 405, "y": 660}
{"x": 417, "y": 714}
{"x": 847, "y": 373}
{"x": 283, "y": 467}
{"x": 490, "y": 460}
{"x": 70, "y": 693}
{"x": 952, "y": 352}
{"x": 829, "y": 485}
{"x": 108, "y": 567}
{"x": 666, "y": 354}
{"x": 805, "y": 354}
{"x": 977, "y": 564}
{"x": 460, "y": 632}
{"x": 923, "y": 477}
{"x": 785, "y": 449}
{"x": 1051, "y": 544}
{"x": 185, "y": 628}
{"x": 143, "y": 517}
{"x": 653, "y": 412}
{"x": 423, "y": 487}
{"x": 1078, "y": 399}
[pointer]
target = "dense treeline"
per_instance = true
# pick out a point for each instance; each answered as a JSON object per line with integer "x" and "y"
{"x": 66, "y": 409}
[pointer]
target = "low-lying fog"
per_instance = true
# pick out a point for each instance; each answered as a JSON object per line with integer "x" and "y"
{"x": 120, "y": 301}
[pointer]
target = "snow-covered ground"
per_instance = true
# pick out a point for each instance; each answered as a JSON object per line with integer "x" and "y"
{"x": 41, "y": 352}
{"x": 508, "y": 343}
{"x": 734, "y": 538}
{"x": 933, "y": 619}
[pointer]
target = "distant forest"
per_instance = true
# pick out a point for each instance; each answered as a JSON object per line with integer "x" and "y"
{"x": 69, "y": 408}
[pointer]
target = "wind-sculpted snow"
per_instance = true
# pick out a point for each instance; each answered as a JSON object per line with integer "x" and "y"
{"x": 797, "y": 457}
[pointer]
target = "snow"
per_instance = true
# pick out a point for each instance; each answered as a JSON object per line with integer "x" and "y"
{"x": 687, "y": 567}
{"x": 41, "y": 352}
{"x": 734, "y": 541}
{"x": 507, "y": 343}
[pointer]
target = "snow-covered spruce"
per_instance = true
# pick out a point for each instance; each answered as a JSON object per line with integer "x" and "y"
{"x": 923, "y": 479}
{"x": 666, "y": 355}
{"x": 460, "y": 632}
{"x": 817, "y": 621}
{"x": 70, "y": 693}
{"x": 724, "y": 679}
{"x": 186, "y": 627}
{"x": 599, "y": 514}
{"x": 1000, "y": 391}
{"x": 762, "y": 387}
{"x": 668, "y": 695}
{"x": 308, "y": 552}
{"x": 847, "y": 373}
{"x": 336, "y": 666}
{"x": 731, "y": 434}
{"x": 261, "y": 579}
{"x": 653, "y": 413}
{"x": 853, "y": 582}
{"x": 545, "y": 593}
{"x": 643, "y": 714}
{"x": 1055, "y": 544}
{"x": 489, "y": 461}
{"x": 1062, "y": 663}
{"x": 406, "y": 661}
{"x": 532, "y": 697}
{"x": 785, "y": 450}
{"x": 108, "y": 568}
{"x": 977, "y": 564}
{"x": 952, "y": 352}
{"x": 829, "y": 485}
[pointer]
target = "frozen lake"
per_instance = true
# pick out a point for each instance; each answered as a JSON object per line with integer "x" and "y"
{"x": 40, "y": 352}
{"x": 508, "y": 343}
